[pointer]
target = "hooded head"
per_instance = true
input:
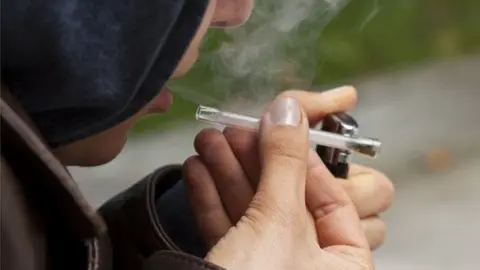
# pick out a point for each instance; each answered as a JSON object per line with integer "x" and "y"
{"x": 86, "y": 70}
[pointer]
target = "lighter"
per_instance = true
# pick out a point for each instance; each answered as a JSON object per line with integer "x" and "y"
{"x": 337, "y": 160}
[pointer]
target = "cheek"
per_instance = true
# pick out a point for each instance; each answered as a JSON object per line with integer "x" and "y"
{"x": 187, "y": 61}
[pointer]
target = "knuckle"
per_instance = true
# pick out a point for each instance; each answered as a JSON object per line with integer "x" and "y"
{"x": 190, "y": 160}
{"x": 381, "y": 230}
{"x": 326, "y": 209}
{"x": 239, "y": 139}
{"x": 285, "y": 148}
{"x": 191, "y": 169}
{"x": 386, "y": 188}
{"x": 373, "y": 187}
{"x": 265, "y": 210}
{"x": 349, "y": 188}
{"x": 234, "y": 132}
{"x": 378, "y": 234}
{"x": 207, "y": 139}
{"x": 287, "y": 159}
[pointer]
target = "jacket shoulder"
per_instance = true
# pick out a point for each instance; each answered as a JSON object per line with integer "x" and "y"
{"x": 50, "y": 211}
{"x": 136, "y": 229}
{"x": 133, "y": 222}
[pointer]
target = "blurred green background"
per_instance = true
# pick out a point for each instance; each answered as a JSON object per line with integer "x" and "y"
{"x": 364, "y": 37}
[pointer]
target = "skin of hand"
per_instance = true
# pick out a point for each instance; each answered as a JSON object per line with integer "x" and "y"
{"x": 276, "y": 230}
{"x": 223, "y": 177}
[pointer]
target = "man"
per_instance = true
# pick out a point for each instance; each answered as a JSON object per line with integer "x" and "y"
{"x": 78, "y": 74}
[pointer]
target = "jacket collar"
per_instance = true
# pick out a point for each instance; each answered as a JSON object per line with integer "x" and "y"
{"x": 69, "y": 207}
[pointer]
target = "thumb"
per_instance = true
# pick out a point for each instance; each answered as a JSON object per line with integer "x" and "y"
{"x": 265, "y": 234}
{"x": 284, "y": 155}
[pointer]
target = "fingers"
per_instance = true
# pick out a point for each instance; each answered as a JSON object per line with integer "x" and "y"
{"x": 283, "y": 151}
{"x": 245, "y": 147}
{"x": 371, "y": 191}
{"x": 317, "y": 105}
{"x": 335, "y": 216}
{"x": 229, "y": 178}
{"x": 358, "y": 169}
{"x": 375, "y": 231}
{"x": 213, "y": 221}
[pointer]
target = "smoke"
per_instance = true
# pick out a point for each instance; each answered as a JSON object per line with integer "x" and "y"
{"x": 274, "y": 50}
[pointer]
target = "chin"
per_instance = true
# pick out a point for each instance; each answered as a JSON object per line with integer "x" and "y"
{"x": 99, "y": 158}
{"x": 91, "y": 152}
{"x": 103, "y": 154}
{"x": 97, "y": 149}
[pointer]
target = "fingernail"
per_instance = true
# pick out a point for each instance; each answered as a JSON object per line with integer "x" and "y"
{"x": 285, "y": 112}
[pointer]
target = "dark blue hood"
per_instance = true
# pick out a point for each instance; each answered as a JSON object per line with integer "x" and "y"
{"x": 79, "y": 67}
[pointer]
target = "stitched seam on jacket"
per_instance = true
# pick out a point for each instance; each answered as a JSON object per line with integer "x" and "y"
{"x": 157, "y": 226}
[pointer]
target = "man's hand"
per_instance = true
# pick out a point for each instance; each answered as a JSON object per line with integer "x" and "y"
{"x": 223, "y": 178}
{"x": 277, "y": 231}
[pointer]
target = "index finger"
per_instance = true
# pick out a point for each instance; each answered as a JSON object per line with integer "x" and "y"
{"x": 319, "y": 104}
{"x": 336, "y": 219}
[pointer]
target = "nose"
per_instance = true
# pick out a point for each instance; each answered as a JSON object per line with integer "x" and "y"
{"x": 232, "y": 13}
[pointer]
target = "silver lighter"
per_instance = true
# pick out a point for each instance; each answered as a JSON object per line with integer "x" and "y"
{"x": 337, "y": 160}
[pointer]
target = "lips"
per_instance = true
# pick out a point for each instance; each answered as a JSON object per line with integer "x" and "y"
{"x": 162, "y": 102}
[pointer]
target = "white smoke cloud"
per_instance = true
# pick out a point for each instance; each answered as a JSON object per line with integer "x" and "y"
{"x": 274, "y": 50}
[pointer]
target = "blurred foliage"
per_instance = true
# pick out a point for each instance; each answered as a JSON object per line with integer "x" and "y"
{"x": 365, "y": 36}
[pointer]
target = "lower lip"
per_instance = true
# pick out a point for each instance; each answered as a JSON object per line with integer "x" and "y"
{"x": 162, "y": 102}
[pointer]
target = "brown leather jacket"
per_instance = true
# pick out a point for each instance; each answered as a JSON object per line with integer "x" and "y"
{"x": 47, "y": 224}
